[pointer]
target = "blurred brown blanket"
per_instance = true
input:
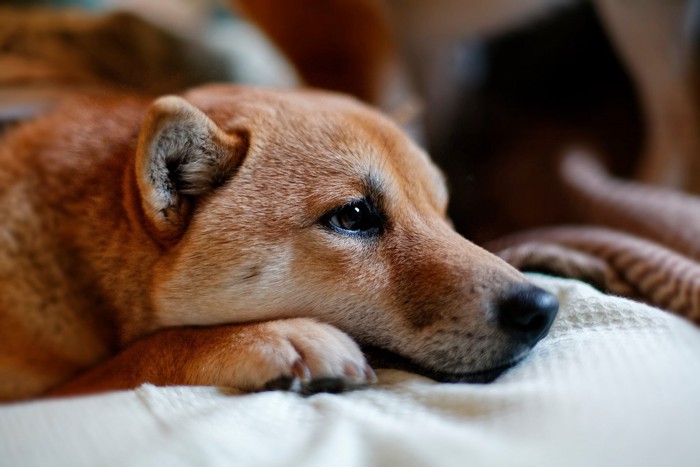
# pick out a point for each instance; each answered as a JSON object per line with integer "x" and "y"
{"x": 638, "y": 241}
{"x": 47, "y": 55}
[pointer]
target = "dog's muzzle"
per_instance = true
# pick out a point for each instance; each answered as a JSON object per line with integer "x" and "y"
{"x": 524, "y": 314}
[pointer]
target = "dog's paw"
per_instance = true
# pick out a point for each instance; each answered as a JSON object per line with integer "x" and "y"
{"x": 299, "y": 355}
{"x": 312, "y": 357}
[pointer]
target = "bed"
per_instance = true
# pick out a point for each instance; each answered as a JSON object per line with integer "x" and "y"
{"x": 616, "y": 383}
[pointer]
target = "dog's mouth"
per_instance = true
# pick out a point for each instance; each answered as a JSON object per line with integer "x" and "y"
{"x": 382, "y": 358}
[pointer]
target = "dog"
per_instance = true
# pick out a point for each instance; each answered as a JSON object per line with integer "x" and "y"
{"x": 239, "y": 237}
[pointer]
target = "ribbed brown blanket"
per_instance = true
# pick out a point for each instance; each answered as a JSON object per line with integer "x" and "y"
{"x": 637, "y": 241}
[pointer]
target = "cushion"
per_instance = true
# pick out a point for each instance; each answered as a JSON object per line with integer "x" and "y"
{"x": 616, "y": 383}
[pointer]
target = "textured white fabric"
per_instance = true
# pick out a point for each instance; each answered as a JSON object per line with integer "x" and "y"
{"x": 615, "y": 383}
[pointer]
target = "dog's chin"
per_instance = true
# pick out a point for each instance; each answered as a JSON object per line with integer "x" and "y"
{"x": 382, "y": 358}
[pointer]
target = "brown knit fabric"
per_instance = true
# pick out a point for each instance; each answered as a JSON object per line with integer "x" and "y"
{"x": 642, "y": 242}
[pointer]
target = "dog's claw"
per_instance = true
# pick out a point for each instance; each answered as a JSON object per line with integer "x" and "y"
{"x": 370, "y": 375}
{"x": 301, "y": 370}
{"x": 353, "y": 370}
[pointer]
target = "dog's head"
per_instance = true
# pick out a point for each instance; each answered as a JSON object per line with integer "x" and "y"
{"x": 274, "y": 204}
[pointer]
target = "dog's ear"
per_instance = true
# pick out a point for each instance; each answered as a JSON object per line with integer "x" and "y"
{"x": 181, "y": 154}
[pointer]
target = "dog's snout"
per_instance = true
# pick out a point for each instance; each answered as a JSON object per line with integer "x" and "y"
{"x": 527, "y": 313}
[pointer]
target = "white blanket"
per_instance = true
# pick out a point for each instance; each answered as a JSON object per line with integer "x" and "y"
{"x": 615, "y": 383}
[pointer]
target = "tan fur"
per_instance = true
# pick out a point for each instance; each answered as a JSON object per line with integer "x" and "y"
{"x": 127, "y": 224}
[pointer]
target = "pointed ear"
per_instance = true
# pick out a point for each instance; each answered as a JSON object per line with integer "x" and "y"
{"x": 181, "y": 154}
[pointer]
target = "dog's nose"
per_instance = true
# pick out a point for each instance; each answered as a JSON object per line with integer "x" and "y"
{"x": 527, "y": 313}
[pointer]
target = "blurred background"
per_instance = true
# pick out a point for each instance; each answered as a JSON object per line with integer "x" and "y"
{"x": 495, "y": 107}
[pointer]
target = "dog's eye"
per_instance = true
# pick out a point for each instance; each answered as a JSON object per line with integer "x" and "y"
{"x": 357, "y": 217}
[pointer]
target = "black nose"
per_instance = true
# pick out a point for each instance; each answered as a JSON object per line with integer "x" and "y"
{"x": 527, "y": 313}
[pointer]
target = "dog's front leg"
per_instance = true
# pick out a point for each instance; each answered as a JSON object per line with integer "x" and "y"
{"x": 295, "y": 354}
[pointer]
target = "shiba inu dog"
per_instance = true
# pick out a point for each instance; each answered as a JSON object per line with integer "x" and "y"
{"x": 239, "y": 237}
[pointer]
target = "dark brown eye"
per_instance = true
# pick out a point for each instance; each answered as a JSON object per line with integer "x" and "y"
{"x": 356, "y": 217}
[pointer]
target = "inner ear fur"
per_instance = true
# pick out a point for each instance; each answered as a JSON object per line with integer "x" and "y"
{"x": 181, "y": 154}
